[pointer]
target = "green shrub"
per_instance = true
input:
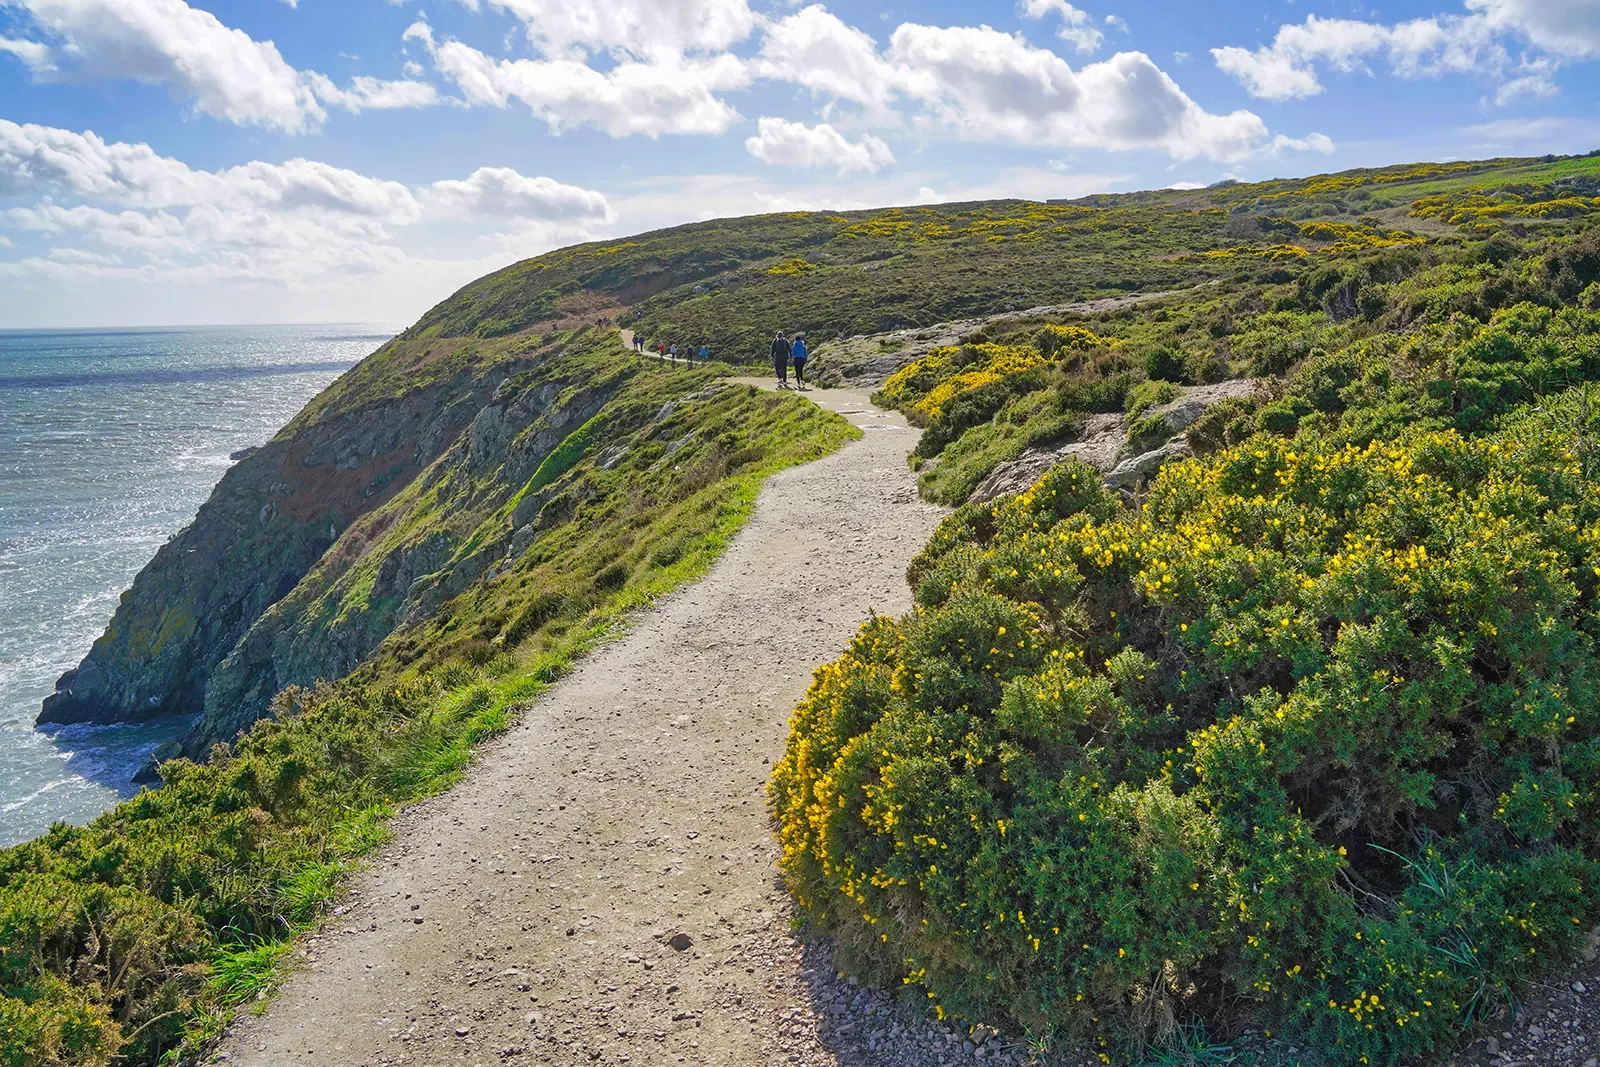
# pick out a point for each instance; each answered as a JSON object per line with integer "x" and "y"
{"x": 1164, "y": 364}
{"x": 1315, "y": 731}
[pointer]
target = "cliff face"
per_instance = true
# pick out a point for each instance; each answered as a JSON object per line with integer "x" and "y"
{"x": 401, "y": 486}
{"x": 429, "y": 470}
{"x": 403, "y": 560}
{"x": 270, "y": 521}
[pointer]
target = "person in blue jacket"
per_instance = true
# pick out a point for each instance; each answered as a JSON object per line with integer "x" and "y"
{"x": 798, "y": 353}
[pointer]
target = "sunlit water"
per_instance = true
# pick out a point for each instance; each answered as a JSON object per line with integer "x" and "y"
{"x": 109, "y": 442}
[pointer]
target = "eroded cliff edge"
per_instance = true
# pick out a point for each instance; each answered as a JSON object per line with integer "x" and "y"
{"x": 233, "y": 572}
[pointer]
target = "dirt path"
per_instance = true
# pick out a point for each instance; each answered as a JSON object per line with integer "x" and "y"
{"x": 531, "y": 915}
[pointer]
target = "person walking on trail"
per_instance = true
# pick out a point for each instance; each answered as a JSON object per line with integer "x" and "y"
{"x": 704, "y": 356}
{"x": 780, "y": 359}
{"x": 798, "y": 353}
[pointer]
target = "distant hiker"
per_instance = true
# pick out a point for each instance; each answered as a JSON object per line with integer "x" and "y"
{"x": 780, "y": 359}
{"x": 798, "y": 352}
{"x": 674, "y": 351}
{"x": 661, "y": 350}
{"x": 704, "y": 358}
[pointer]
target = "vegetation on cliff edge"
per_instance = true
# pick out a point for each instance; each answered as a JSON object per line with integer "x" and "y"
{"x": 129, "y": 940}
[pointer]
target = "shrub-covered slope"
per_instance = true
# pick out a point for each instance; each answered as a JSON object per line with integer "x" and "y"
{"x": 1298, "y": 734}
{"x": 479, "y": 501}
{"x": 128, "y": 940}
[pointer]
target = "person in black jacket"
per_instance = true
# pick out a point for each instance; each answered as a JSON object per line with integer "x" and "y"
{"x": 780, "y": 359}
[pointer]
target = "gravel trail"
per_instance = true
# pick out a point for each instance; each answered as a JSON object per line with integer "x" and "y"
{"x": 601, "y": 887}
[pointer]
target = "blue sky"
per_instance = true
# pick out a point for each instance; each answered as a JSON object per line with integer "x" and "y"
{"x": 170, "y": 162}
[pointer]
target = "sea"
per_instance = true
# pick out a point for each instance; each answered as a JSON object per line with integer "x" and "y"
{"x": 109, "y": 442}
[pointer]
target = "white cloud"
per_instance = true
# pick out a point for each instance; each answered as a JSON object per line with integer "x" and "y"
{"x": 1533, "y": 77}
{"x": 225, "y": 72}
{"x": 1076, "y": 29}
{"x": 1569, "y": 28}
{"x": 664, "y": 201}
{"x": 645, "y": 29}
{"x": 815, "y": 49}
{"x": 44, "y": 160}
{"x": 794, "y": 144}
{"x": 1268, "y": 73}
{"x": 502, "y": 192}
{"x": 286, "y": 224}
{"x": 1471, "y": 43}
{"x": 373, "y": 94}
{"x": 675, "y": 96}
{"x": 1311, "y": 142}
{"x": 971, "y": 83}
{"x": 33, "y": 53}
{"x": 984, "y": 85}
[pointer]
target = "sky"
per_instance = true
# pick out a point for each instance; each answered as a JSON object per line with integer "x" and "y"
{"x": 165, "y": 162}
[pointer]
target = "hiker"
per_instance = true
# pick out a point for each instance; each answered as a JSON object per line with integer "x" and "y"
{"x": 780, "y": 359}
{"x": 674, "y": 351}
{"x": 800, "y": 355}
{"x": 704, "y": 357}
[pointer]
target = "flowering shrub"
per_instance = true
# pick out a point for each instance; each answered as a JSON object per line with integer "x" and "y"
{"x": 923, "y": 387}
{"x": 1315, "y": 728}
{"x": 1541, "y": 201}
{"x": 791, "y": 267}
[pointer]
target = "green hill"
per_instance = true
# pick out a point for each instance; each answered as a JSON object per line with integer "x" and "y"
{"x": 1242, "y": 818}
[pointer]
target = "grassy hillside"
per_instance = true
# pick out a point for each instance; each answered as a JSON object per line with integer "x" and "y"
{"x": 1301, "y": 733}
{"x": 1240, "y": 741}
{"x": 130, "y": 939}
{"x": 731, "y": 282}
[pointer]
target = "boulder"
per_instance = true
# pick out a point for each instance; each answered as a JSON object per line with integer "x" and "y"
{"x": 1105, "y": 448}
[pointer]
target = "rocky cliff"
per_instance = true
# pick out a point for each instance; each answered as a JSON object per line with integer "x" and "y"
{"x": 256, "y": 592}
{"x": 406, "y": 558}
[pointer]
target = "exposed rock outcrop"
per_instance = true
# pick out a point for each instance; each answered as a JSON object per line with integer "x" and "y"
{"x": 265, "y": 525}
{"x": 1102, "y": 439}
{"x": 864, "y": 361}
{"x": 403, "y": 561}
{"x": 1104, "y": 445}
{"x": 269, "y": 522}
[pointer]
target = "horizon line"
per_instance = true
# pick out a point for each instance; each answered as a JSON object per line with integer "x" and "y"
{"x": 193, "y": 326}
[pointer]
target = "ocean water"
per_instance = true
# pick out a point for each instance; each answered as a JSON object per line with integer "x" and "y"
{"x": 109, "y": 442}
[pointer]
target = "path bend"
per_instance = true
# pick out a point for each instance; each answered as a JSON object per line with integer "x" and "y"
{"x": 524, "y": 917}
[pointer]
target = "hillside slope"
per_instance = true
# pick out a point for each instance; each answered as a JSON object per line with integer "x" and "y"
{"x": 1253, "y": 684}
{"x": 281, "y": 516}
{"x": 1389, "y": 504}
{"x": 623, "y": 810}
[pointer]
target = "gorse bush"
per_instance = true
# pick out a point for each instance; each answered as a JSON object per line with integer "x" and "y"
{"x": 1313, "y": 730}
{"x": 924, "y": 387}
